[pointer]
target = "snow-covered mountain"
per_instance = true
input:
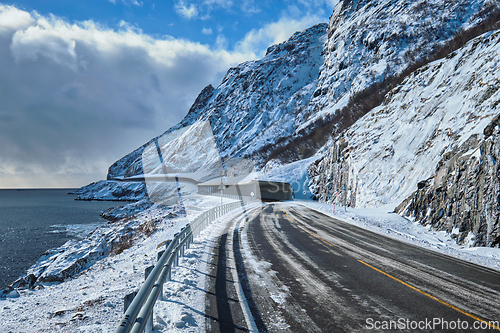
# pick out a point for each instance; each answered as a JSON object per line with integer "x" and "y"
{"x": 372, "y": 46}
{"x": 377, "y": 92}
{"x": 261, "y": 105}
{"x": 257, "y": 102}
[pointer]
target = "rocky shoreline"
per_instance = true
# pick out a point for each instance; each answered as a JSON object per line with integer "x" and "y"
{"x": 131, "y": 223}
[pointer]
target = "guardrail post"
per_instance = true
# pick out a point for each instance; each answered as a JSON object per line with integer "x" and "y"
{"x": 147, "y": 271}
{"x": 149, "y": 323}
{"x": 169, "y": 274}
{"x": 195, "y": 229}
{"x": 159, "y": 254}
{"x": 160, "y": 295}
{"x": 127, "y": 300}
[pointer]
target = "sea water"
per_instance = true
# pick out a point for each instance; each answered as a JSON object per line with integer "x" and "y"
{"x": 33, "y": 221}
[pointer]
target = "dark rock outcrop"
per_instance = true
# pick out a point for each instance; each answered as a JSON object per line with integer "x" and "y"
{"x": 332, "y": 178}
{"x": 463, "y": 197}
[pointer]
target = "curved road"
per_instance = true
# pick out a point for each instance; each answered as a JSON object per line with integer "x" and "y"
{"x": 305, "y": 271}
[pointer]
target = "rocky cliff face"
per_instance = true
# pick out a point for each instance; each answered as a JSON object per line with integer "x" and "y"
{"x": 334, "y": 180}
{"x": 399, "y": 143}
{"x": 463, "y": 195}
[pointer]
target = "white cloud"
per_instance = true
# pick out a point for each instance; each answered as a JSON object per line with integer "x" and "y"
{"x": 203, "y": 9}
{"x": 221, "y": 42}
{"x": 76, "y": 97}
{"x": 187, "y": 11}
{"x": 257, "y": 40}
{"x": 249, "y": 6}
{"x": 128, "y": 2}
{"x": 220, "y": 3}
{"x": 44, "y": 40}
{"x": 12, "y": 19}
{"x": 206, "y": 31}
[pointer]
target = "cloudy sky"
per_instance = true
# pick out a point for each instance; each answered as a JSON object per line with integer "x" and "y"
{"x": 82, "y": 83}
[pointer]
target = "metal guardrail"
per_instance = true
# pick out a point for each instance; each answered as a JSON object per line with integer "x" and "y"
{"x": 138, "y": 315}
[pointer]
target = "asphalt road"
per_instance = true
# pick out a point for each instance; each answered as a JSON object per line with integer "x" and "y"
{"x": 293, "y": 269}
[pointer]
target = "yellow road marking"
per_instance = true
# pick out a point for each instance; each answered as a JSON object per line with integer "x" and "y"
{"x": 430, "y": 296}
{"x": 310, "y": 233}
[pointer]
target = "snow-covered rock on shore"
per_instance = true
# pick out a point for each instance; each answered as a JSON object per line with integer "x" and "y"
{"x": 112, "y": 190}
{"x": 76, "y": 256}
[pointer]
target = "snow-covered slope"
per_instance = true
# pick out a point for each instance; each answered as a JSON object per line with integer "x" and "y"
{"x": 261, "y": 101}
{"x": 370, "y": 41}
{"x": 399, "y": 143}
{"x": 191, "y": 149}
